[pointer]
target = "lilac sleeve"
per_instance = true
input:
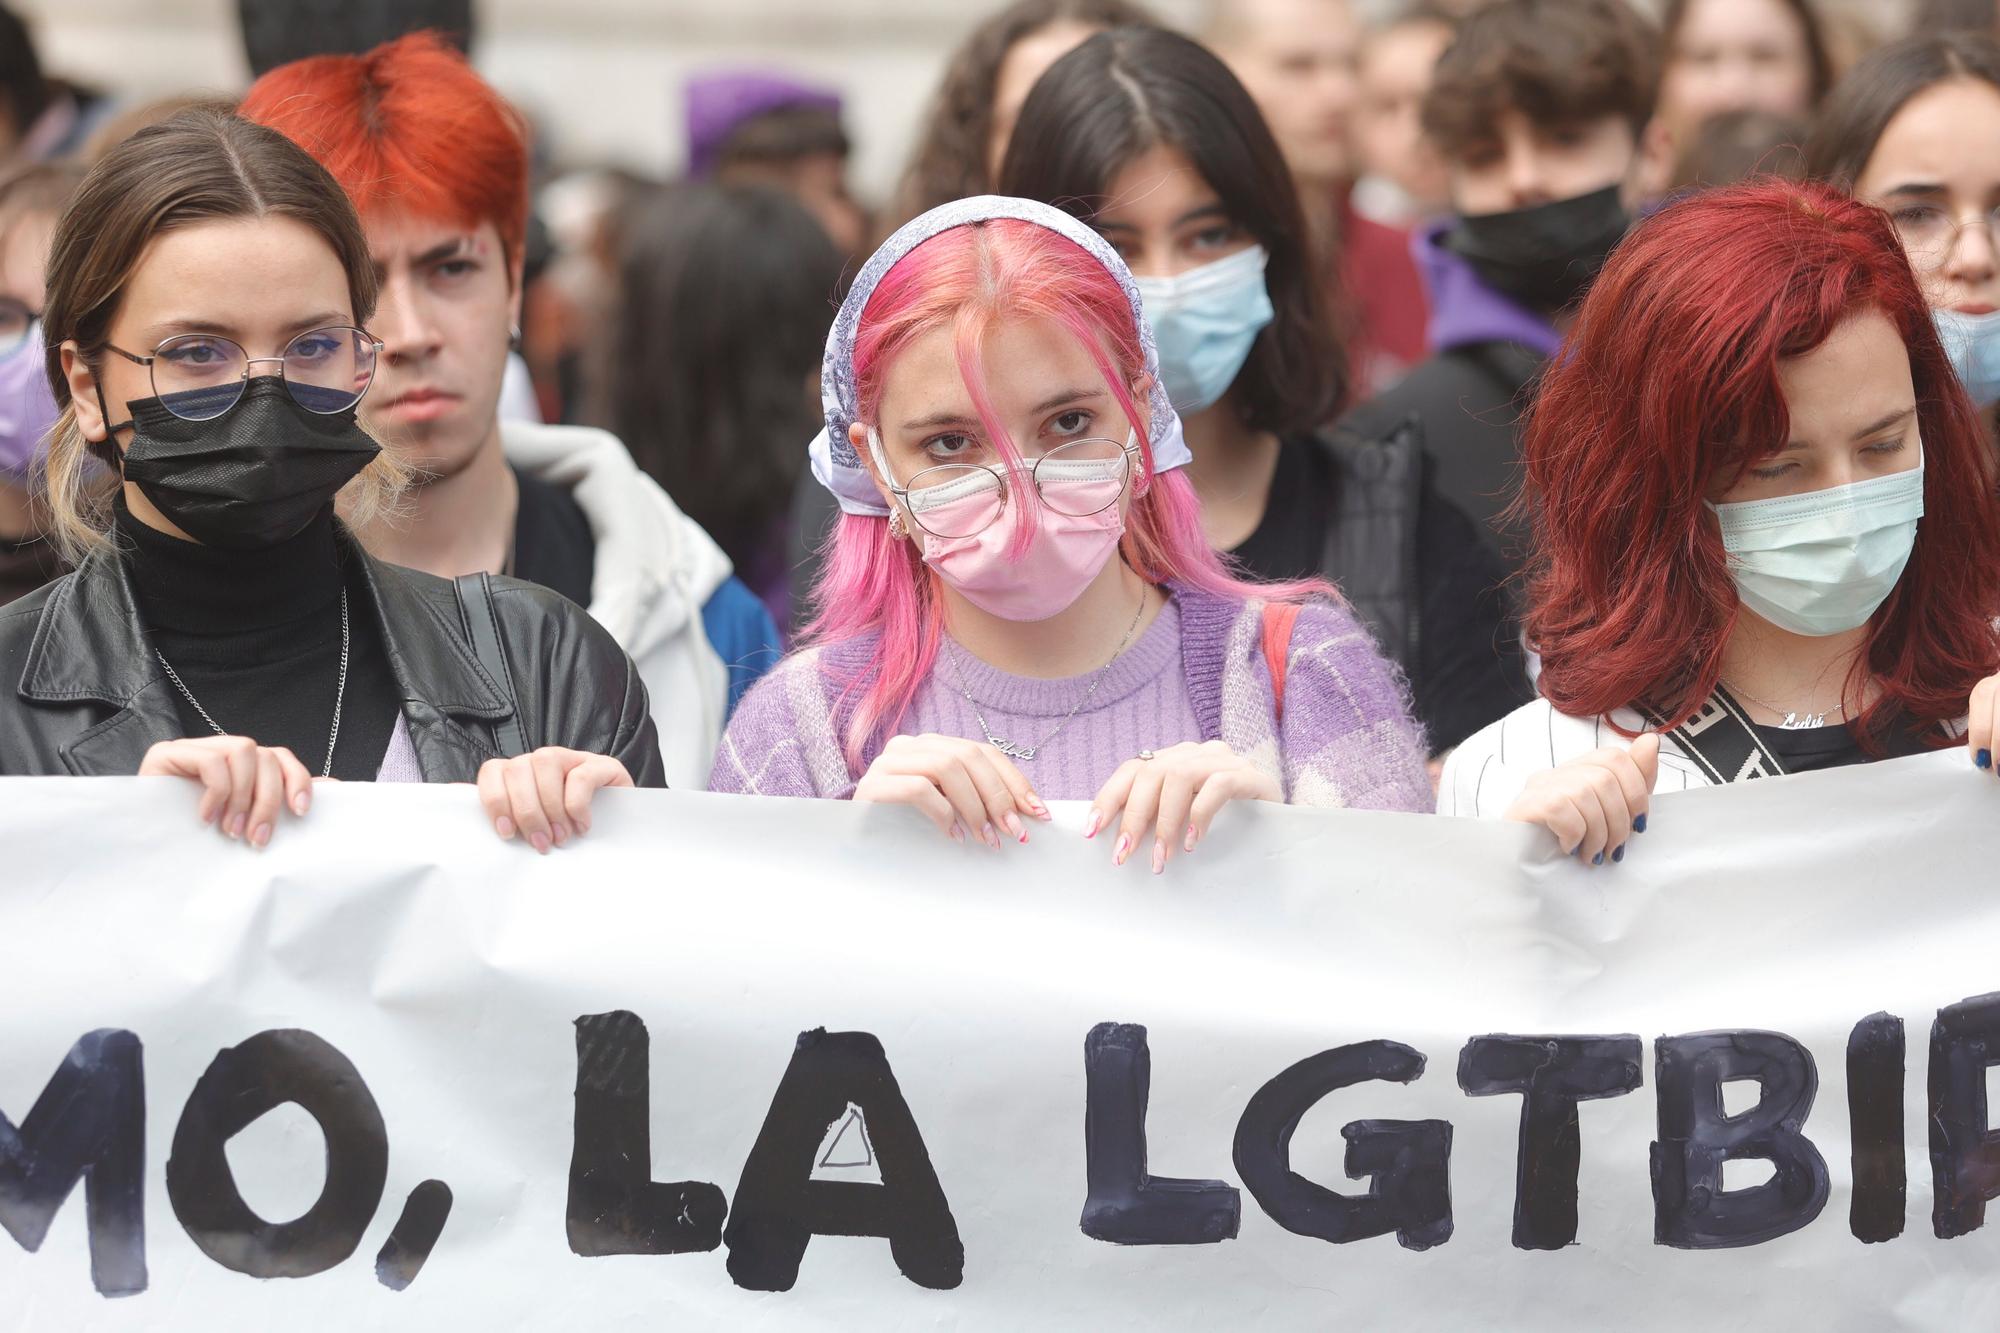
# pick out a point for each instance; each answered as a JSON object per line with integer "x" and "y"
{"x": 780, "y": 741}
{"x": 1347, "y": 738}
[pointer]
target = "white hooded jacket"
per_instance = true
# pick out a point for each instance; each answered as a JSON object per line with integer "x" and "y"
{"x": 655, "y": 570}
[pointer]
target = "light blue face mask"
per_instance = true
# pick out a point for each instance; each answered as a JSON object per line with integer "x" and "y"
{"x": 1973, "y": 344}
{"x": 1205, "y": 320}
{"x": 1822, "y": 562}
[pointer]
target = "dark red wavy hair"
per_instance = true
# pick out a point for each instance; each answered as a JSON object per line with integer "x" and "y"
{"x": 1668, "y": 382}
{"x": 408, "y": 127}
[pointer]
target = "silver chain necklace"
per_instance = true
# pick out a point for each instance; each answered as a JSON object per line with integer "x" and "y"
{"x": 1025, "y": 752}
{"x": 1794, "y": 719}
{"x": 339, "y": 693}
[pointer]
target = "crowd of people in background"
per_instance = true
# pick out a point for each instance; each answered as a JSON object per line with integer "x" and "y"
{"x": 1508, "y": 407}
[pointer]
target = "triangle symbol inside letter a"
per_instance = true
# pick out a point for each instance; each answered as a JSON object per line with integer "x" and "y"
{"x": 850, "y": 1146}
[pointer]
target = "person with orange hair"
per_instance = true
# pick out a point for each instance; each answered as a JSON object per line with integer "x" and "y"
{"x": 437, "y": 165}
{"x": 1765, "y": 539}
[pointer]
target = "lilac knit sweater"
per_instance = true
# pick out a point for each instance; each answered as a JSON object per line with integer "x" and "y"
{"x": 1197, "y": 673}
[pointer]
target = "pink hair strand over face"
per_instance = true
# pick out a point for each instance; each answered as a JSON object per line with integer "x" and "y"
{"x": 971, "y": 279}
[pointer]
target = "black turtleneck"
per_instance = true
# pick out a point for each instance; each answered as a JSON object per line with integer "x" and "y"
{"x": 255, "y": 636}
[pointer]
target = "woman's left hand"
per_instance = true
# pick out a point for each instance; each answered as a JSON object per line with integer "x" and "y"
{"x": 545, "y": 796}
{"x": 1173, "y": 794}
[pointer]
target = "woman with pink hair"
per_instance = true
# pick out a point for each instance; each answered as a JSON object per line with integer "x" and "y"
{"x": 1018, "y": 603}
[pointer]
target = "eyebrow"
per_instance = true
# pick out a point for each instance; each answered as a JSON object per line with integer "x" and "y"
{"x": 446, "y": 250}
{"x": 1875, "y": 427}
{"x": 1204, "y": 211}
{"x": 1924, "y": 188}
{"x": 172, "y": 328}
{"x": 1049, "y": 404}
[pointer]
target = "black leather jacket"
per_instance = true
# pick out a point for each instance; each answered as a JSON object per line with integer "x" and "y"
{"x": 81, "y": 693}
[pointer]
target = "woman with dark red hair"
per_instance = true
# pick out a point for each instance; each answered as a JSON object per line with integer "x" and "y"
{"x": 1765, "y": 537}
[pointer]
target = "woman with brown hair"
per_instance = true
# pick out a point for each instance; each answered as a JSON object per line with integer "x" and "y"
{"x": 208, "y": 288}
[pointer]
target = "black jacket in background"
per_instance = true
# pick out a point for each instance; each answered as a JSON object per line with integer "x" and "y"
{"x": 1362, "y": 512}
{"x": 81, "y": 693}
{"x": 1468, "y": 401}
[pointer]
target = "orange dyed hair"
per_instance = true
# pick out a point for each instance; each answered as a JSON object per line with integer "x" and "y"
{"x": 407, "y": 128}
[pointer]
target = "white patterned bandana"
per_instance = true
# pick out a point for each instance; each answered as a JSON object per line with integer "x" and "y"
{"x": 834, "y": 461}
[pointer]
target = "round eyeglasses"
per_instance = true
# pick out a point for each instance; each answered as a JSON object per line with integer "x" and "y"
{"x": 1928, "y": 232}
{"x": 1078, "y": 479}
{"x": 199, "y": 376}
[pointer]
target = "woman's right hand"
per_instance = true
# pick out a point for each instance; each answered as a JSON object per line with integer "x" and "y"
{"x": 962, "y": 785}
{"x": 1593, "y": 805}
{"x": 244, "y": 785}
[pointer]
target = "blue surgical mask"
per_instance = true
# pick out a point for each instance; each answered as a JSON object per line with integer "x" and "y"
{"x": 1822, "y": 562}
{"x": 1204, "y": 321}
{"x": 1973, "y": 344}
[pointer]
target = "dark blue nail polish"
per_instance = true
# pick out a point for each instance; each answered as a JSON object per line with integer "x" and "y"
{"x": 1639, "y": 824}
{"x": 1598, "y": 859}
{"x": 1984, "y": 759}
{"x": 1619, "y": 855}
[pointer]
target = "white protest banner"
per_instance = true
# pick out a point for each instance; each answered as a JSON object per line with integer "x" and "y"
{"x": 1331, "y": 1070}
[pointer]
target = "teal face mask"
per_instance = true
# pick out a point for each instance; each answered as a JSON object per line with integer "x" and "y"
{"x": 1205, "y": 321}
{"x": 1822, "y": 562}
{"x": 1973, "y": 344}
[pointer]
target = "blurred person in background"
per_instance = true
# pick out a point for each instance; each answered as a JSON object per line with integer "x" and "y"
{"x": 1915, "y": 130}
{"x": 1732, "y": 55}
{"x": 31, "y": 199}
{"x": 277, "y": 32}
{"x": 1733, "y": 146}
{"x": 757, "y": 128}
{"x": 41, "y": 118}
{"x": 1934, "y": 17}
{"x": 714, "y": 361}
{"x": 1537, "y": 108}
{"x": 1300, "y": 61}
{"x": 437, "y": 166}
{"x": 1146, "y": 136}
{"x": 970, "y": 117}
{"x": 1403, "y": 181}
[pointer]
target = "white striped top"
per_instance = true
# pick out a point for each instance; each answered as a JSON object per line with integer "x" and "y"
{"x": 1485, "y": 774}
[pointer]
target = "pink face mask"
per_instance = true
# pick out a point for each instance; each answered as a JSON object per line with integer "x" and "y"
{"x": 1067, "y": 550}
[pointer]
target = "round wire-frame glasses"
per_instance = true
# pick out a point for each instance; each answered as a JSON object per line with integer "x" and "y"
{"x": 1078, "y": 478}
{"x": 200, "y": 376}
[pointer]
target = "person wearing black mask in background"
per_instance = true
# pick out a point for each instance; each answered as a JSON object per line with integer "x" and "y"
{"x": 208, "y": 289}
{"x": 1537, "y": 109}
{"x": 1151, "y": 139}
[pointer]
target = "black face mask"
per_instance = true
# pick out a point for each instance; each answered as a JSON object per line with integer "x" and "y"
{"x": 250, "y": 478}
{"x": 1544, "y": 257}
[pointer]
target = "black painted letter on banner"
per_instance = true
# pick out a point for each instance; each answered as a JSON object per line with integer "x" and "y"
{"x": 1407, "y": 1162}
{"x": 1691, "y": 1210}
{"x": 1875, "y": 1110}
{"x": 240, "y": 1085}
{"x": 615, "y": 1207}
{"x": 1123, "y": 1204}
{"x": 1552, "y": 1074}
{"x": 1965, "y": 1151}
{"x": 779, "y": 1207}
{"x": 89, "y": 1123}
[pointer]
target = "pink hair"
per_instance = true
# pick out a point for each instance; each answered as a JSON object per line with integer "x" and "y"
{"x": 971, "y": 278}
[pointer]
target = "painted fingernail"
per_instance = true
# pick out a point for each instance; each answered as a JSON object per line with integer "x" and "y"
{"x": 504, "y": 827}
{"x": 957, "y": 831}
{"x": 1036, "y": 808}
{"x": 1984, "y": 759}
{"x": 1159, "y": 855}
{"x": 1192, "y": 835}
{"x": 540, "y": 842}
{"x": 1619, "y": 855}
{"x": 558, "y": 834}
{"x": 236, "y": 823}
{"x": 991, "y": 837}
{"x": 300, "y": 802}
{"x": 260, "y": 835}
{"x": 1094, "y": 823}
{"x": 1014, "y": 829}
{"x": 1598, "y": 859}
{"x": 1123, "y": 849}
{"x": 1639, "y": 824}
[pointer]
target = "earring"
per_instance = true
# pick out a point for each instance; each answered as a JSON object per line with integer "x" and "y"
{"x": 514, "y": 338}
{"x": 896, "y": 529}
